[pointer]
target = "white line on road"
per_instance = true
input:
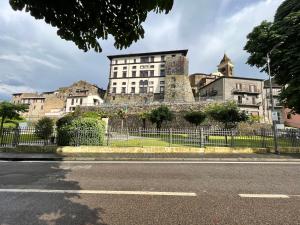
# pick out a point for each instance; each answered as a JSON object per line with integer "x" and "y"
{"x": 161, "y": 162}
{"x": 100, "y": 192}
{"x": 263, "y": 196}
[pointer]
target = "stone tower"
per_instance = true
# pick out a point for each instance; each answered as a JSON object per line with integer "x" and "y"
{"x": 177, "y": 84}
{"x": 226, "y": 66}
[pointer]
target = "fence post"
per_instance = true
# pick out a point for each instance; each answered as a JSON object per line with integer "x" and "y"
{"x": 201, "y": 138}
{"x": 170, "y": 137}
{"x": 231, "y": 140}
{"x": 16, "y": 137}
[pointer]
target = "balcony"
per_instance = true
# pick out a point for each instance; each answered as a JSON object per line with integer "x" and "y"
{"x": 246, "y": 91}
{"x": 275, "y": 95}
{"x": 248, "y": 104}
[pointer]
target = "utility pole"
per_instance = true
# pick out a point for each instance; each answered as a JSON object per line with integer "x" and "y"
{"x": 272, "y": 99}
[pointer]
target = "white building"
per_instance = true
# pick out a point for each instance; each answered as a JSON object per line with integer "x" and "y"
{"x": 82, "y": 100}
{"x": 139, "y": 77}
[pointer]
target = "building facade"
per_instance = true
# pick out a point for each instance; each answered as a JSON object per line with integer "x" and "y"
{"x": 141, "y": 77}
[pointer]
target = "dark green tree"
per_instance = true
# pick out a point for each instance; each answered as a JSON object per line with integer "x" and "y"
{"x": 227, "y": 113}
{"x": 86, "y": 21}
{"x": 195, "y": 117}
{"x": 44, "y": 128}
{"x": 159, "y": 115}
{"x": 144, "y": 116}
{"x": 285, "y": 58}
{"x": 10, "y": 111}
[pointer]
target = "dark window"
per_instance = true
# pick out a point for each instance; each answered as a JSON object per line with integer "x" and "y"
{"x": 115, "y": 68}
{"x": 116, "y": 61}
{"x": 253, "y": 100}
{"x": 132, "y": 89}
{"x": 114, "y": 90}
{"x": 134, "y": 67}
{"x": 42, "y": 107}
{"x": 133, "y": 73}
{"x": 132, "y": 83}
{"x": 162, "y": 89}
{"x": 151, "y": 73}
{"x": 123, "y": 83}
{"x": 115, "y": 74}
{"x": 173, "y": 56}
{"x": 240, "y": 99}
{"x": 143, "y": 89}
{"x": 144, "y": 73}
{"x": 123, "y": 89}
{"x": 152, "y": 58}
{"x": 125, "y": 61}
{"x": 81, "y": 100}
{"x": 124, "y": 67}
{"x": 124, "y": 74}
{"x": 114, "y": 83}
{"x": 113, "y": 97}
{"x": 152, "y": 66}
{"x": 162, "y": 58}
{"x": 162, "y": 82}
{"x": 72, "y": 103}
{"x": 162, "y": 73}
{"x": 134, "y": 60}
{"x": 144, "y": 59}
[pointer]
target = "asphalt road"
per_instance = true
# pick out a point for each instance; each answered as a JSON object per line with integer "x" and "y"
{"x": 149, "y": 193}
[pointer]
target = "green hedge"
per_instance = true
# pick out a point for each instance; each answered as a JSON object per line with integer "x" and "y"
{"x": 81, "y": 131}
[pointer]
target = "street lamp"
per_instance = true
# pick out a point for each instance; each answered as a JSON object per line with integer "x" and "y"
{"x": 271, "y": 97}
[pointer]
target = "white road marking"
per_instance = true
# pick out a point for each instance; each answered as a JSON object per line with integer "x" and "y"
{"x": 263, "y": 196}
{"x": 163, "y": 162}
{"x": 100, "y": 192}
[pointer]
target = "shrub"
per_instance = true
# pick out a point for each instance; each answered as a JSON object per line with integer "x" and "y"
{"x": 195, "y": 117}
{"x": 159, "y": 115}
{"x": 44, "y": 128}
{"x": 82, "y": 131}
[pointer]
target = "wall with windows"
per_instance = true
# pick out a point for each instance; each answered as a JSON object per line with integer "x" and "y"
{"x": 74, "y": 101}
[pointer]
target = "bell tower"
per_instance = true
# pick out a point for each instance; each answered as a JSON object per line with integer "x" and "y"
{"x": 226, "y": 66}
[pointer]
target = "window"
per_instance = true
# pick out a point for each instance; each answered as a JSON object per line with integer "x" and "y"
{"x": 132, "y": 89}
{"x": 151, "y": 73}
{"x": 239, "y": 86}
{"x": 161, "y": 82}
{"x": 240, "y": 99}
{"x": 123, "y": 83}
{"x": 134, "y": 60}
{"x": 72, "y": 103}
{"x": 151, "y": 82}
{"x": 144, "y": 59}
{"x": 124, "y": 74}
{"x": 173, "y": 56}
{"x": 151, "y": 66}
{"x": 115, "y": 68}
{"x": 253, "y": 100}
{"x": 144, "y": 73}
{"x": 150, "y": 89}
{"x": 123, "y": 90}
{"x": 124, "y": 67}
{"x": 133, "y": 73}
{"x": 81, "y": 100}
{"x": 114, "y": 90}
{"x": 162, "y": 73}
{"x": 116, "y": 61}
{"x": 161, "y": 89}
{"x": 143, "y": 89}
{"x": 114, "y": 83}
{"x": 113, "y": 98}
{"x": 134, "y": 67}
{"x": 152, "y": 58}
{"x": 132, "y": 83}
{"x": 115, "y": 74}
{"x": 162, "y": 58}
{"x": 42, "y": 107}
{"x": 125, "y": 61}
{"x": 162, "y": 65}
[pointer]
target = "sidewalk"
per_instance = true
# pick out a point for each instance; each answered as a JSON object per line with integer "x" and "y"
{"x": 147, "y": 157}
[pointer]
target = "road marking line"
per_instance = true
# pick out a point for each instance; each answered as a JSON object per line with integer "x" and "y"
{"x": 263, "y": 196}
{"x": 101, "y": 192}
{"x": 158, "y": 162}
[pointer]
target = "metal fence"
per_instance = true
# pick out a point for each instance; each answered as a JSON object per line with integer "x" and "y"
{"x": 152, "y": 137}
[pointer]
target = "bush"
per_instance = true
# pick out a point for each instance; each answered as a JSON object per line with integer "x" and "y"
{"x": 159, "y": 115}
{"x": 195, "y": 117}
{"x": 44, "y": 128}
{"x": 81, "y": 131}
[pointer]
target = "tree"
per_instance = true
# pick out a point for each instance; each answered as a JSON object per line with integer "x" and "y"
{"x": 285, "y": 58}
{"x": 144, "y": 116}
{"x": 86, "y": 21}
{"x": 122, "y": 114}
{"x": 44, "y": 128}
{"x": 159, "y": 115}
{"x": 227, "y": 113}
{"x": 195, "y": 117}
{"x": 10, "y": 111}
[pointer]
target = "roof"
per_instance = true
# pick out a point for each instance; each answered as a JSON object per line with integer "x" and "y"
{"x": 200, "y": 74}
{"x": 238, "y": 78}
{"x": 225, "y": 59}
{"x": 274, "y": 84}
{"x": 183, "y": 51}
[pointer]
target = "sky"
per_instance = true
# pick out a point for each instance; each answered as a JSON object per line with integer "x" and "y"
{"x": 34, "y": 59}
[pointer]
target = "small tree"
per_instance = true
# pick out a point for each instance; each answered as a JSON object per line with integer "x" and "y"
{"x": 159, "y": 115}
{"x": 227, "y": 113}
{"x": 195, "y": 117}
{"x": 122, "y": 114}
{"x": 10, "y": 111}
{"x": 44, "y": 128}
{"x": 144, "y": 116}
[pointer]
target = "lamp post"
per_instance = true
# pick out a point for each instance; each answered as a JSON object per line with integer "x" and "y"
{"x": 272, "y": 99}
